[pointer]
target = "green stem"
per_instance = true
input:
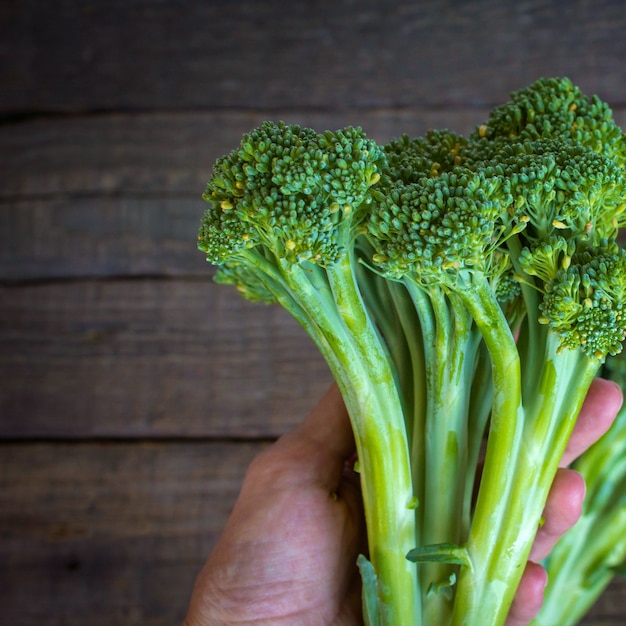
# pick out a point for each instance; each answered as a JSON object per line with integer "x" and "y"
{"x": 482, "y": 587}
{"x": 422, "y": 306}
{"x": 375, "y": 406}
{"x": 415, "y": 419}
{"x": 396, "y": 330}
{"x": 581, "y": 567}
{"x": 347, "y": 338}
{"x": 523, "y": 453}
{"x": 581, "y": 564}
{"x": 449, "y": 362}
{"x": 563, "y": 387}
{"x": 481, "y": 400}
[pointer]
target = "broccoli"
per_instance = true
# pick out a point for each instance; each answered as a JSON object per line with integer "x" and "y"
{"x": 461, "y": 290}
{"x": 586, "y": 559}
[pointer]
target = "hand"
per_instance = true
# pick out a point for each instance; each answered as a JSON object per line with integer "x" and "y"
{"x": 288, "y": 552}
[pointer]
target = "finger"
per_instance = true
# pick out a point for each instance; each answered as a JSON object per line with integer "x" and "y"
{"x": 529, "y": 596}
{"x": 599, "y": 409}
{"x": 562, "y": 510}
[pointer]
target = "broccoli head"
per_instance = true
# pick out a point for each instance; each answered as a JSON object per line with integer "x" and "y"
{"x": 436, "y": 228}
{"x": 554, "y": 108}
{"x": 556, "y": 186}
{"x": 584, "y": 302}
{"x": 294, "y": 192}
{"x": 437, "y": 152}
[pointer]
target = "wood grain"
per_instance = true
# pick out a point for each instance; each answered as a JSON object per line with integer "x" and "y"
{"x": 137, "y": 55}
{"x": 120, "y": 195}
{"x": 167, "y": 153}
{"x": 110, "y": 534}
{"x": 151, "y": 358}
{"x": 133, "y": 391}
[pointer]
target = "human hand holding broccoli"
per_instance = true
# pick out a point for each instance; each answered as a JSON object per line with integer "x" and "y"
{"x": 461, "y": 290}
{"x": 288, "y": 552}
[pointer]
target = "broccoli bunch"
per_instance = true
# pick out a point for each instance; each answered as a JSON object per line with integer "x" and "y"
{"x": 463, "y": 291}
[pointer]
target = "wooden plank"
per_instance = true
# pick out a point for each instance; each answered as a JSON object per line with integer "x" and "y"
{"x": 165, "y": 153}
{"x": 99, "y": 236}
{"x": 114, "y": 534}
{"x": 110, "y": 534}
{"x": 67, "y": 57}
{"x": 151, "y": 358}
{"x": 120, "y": 195}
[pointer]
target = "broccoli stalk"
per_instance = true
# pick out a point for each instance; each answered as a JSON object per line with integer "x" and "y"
{"x": 587, "y": 558}
{"x": 571, "y": 200}
{"x": 461, "y": 290}
{"x": 451, "y": 292}
{"x": 285, "y": 232}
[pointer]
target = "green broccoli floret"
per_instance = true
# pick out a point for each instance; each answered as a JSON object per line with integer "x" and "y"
{"x": 547, "y": 257}
{"x": 460, "y": 289}
{"x": 436, "y": 227}
{"x": 297, "y": 193}
{"x": 411, "y": 159}
{"x": 554, "y": 108}
{"x": 584, "y": 303}
{"x": 583, "y": 292}
{"x": 557, "y": 185}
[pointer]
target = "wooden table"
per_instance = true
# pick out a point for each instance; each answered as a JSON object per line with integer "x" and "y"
{"x": 134, "y": 391}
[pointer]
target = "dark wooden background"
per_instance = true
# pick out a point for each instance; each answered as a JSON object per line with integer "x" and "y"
{"x": 133, "y": 391}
